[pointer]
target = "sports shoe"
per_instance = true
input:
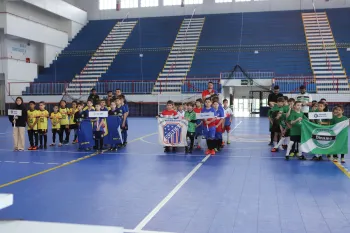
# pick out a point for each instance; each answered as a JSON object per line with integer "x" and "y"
{"x": 281, "y": 148}
{"x": 274, "y": 149}
{"x": 34, "y": 148}
{"x": 59, "y": 144}
{"x": 41, "y": 147}
{"x": 207, "y": 152}
{"x": 287, "y": 157}
{"x": 228, "y": 142}
{"x": 342, "y": 160}
{"x": 30, "y": 148}
{"x": 314, "y": 158}
{"x": 284, "y": 146}
{"x": 199, "y": 148}
{"x": 331, "y": 158}
{"x": 223, "y": 143}
{"x": 52, "y": 144}
{"x": 291, "y": 154}
{"x": 75, "y": 142}
{"x": 320, "y": 158}
{"x": 270, "y": 144}
{"x": 216, "y": 150}
{"x": 212, "y": 152}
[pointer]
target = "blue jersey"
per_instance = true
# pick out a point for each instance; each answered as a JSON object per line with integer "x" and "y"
{"x": 87, "y": 112}
{"x": 104, "y": 109}
{"x": 204, "y": 110}
{"x": 98, "y": 121}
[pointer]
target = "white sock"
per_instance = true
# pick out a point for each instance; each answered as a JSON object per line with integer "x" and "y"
{"x": 228, "y": 136}
{"x": 274, "y": 144}
{"x": 279, "y": 143}
{"x": 290, "y": 144}
{"x": 299, "y": 149}
{"x": 199, "y": 140}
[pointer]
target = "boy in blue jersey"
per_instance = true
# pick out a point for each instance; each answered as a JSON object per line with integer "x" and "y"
{"x": 124, "y": 126}
{"x": 88, "y": 108}
{"x": 219, "y": 115}
{"x": 199, "y": 124}
{"x": 209, "y": 128}
{"x": 98, "y": 129}
{"x": 116, "y": 111}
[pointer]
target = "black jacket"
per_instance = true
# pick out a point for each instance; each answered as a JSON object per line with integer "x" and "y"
{"x": 21, "y": 121}
{"x": 273, "y": 97}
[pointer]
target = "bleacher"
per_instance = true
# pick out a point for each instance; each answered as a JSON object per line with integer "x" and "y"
{"x": 274, "y": 35}
{"x": 155, "y": 36}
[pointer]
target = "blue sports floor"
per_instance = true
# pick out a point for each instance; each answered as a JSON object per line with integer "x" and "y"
{"x": 244, "y": 189}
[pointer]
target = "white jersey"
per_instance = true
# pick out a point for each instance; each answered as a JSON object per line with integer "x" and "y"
{"x": 228, "y": 113}
{"x": 181, "y": 114}
{"x": 305, "y": 98}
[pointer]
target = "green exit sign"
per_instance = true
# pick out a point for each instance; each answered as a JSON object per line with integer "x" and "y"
{"x": 246, "y": 82}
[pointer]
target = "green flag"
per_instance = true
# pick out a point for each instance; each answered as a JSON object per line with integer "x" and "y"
{"x": 326, "y": 140}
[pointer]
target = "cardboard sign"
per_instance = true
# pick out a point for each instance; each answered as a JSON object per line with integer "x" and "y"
{"x": 94, "y": 114}
{"x": 14, "y": 112}
{"x": 320, "y": 115}
{"x": 204, "y": 115}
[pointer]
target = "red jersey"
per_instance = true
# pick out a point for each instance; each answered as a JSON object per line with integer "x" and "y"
{"x": 207, "y": 93}
{"x": 197, "y": 110}
{"x": 169, "y": 113}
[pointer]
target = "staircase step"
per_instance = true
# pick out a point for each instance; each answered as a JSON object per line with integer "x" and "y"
{"x": 82, "y": 76}
{"x": 323, "y": 51}
{"x": 80, "y": 80}
{"x": 169, "y": 63}
{"x": 328, "y": 72}
{"x": 330, "y": 69}
{"x": 181, "y": 55}
{"x": 332, "y": 55}
{"x": 173, "y": 74}
{"x": 336, "y": 76}
{"x": 82, "y": 84}
{"x": 170, "y": 79}
{"x": 174, "y": 70}
{"x": 326, "y": 63}
{"x": 172, "y": 83}
{"x": 318, "y": 37}
{"x": 101, "y": 61}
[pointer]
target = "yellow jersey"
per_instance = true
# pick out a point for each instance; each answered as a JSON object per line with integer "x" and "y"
{"x": 32, "y": 115}
{"x": 86, "y": 108}
{"x": 55, "y": 120}
{"x": 71, "y": 113}
{"x": 64, "y": 113}
{"x": 42, "y": 119}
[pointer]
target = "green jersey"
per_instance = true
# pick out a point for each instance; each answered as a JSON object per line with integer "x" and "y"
{"x": 283, "y": 121}
{"x": 285, "y": 109}
{"x": 191, "y": 116}
{"x": 275, "y": 109}
{"x": 296, "y": 127}
{"x": 336, "y": 120}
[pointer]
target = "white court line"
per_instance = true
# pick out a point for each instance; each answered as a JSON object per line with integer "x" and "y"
{"x": 141, "y": 231}
{"x": 156, "y": 209}
{"x": 51, "y": 151}
{"x": 143, "y": 140}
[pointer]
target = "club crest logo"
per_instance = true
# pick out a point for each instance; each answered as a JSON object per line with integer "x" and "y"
{"x": 172, "y": 133}
{"x": 323, "y": 138}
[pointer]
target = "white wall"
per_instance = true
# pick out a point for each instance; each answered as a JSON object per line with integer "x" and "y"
{"x": 209, "y": 7}
{"x": 73, "y": 30}
{"x": 50, "y": 53}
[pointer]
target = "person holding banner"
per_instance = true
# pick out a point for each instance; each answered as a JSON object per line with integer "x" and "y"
{"x": 19, "y": 124}
{"x": 169, "y": 112}
{"x": 98, "y": 129}
{"x": 115, "y": 116}
{"x": 338, "y": 117}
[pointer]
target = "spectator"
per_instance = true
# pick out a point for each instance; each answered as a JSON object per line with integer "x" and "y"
{"x": 305, "y": 99}
{"x": 209, "y": 92}
{"x": 274, "y": 95}
{"x": 109, "y": 98}
{"x": 118, "y": 92}
{"x": 94, "y": 97}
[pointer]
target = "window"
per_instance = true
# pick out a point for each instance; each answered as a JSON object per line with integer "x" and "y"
{"x": 149, "y": 3}
{"x": 108, "y": 4}
{"x": 129, "y": 4}
{"x": 222, "y": 1}
{"x": 178, "y": 2}
{"x": 172, "y": 2}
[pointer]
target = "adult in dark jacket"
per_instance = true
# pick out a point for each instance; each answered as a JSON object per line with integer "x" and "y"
{"x": 273, "y": 96}
{"x": 19, "y": 125}
{"x": 94, "y": 97}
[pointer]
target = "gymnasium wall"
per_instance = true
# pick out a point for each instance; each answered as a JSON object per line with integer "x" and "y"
{"x": 208, "y": 7}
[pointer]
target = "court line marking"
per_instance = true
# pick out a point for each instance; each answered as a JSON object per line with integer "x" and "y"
{"x": 63, "y": 165}
{"x": 342, "y": 168}
{"x": 172, "y": 193}
{"x": 134, "y": 231}
{"x": 50, "y": 151}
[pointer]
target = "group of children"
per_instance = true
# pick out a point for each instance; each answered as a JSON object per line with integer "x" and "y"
{"x": 64, "y": 120}
{"x": 211, "y": 129}
{"x": 285, "y": 126}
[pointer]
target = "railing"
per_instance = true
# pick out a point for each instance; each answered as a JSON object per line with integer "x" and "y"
{"x": 252, "y": 75}
{"x": 102, "y": 87}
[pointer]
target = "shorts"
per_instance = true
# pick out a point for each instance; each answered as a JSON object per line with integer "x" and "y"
{"x": 42, "y": 131}
{"x": 98, "y": 134}
{"x": 74, "y": 126}
{"x": 295, "y": 138}
{"x": 63, "y": 127}
{"x": 287, "y": 134}
{"x": 190, "y": 134}
{"x": 210, "y": 132}
{"x": 199, "y": 130}
{"x": 218, "y": 135}
{"x": 227, "y": 128}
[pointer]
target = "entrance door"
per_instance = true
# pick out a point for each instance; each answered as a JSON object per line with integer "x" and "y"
{"x": 257, "y": 100}
{"x": 241, "y": 107}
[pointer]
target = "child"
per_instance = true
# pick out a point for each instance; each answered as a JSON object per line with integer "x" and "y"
{"x": 228, "y": 120}
{"x": 64, "y": 123}
{"x": 209, "y": 128}
{"x": 32, "y": 122}
{"x": 338, "y": 112}
{"x": 169, "y": 112}
{"x": 279, "y": 107}
{"x": 314, "y": 106}
{"x": 320, "y": 108}
{"x": 19, "y": 124}
{"x": 72, "y": 125}
{"x": 199, "y": 124}
{"x": 125, "y": 125}
{"x": 98, "y": 130}
{"x": 89, "y": 107}
{"x": 43, "y": 115}
{"x": 185, "y": 106}
{"x": 294, "y": 119}
{"x": 285, "y": 104}
{"x": 114, "y": 112}
{"x": 103, "y": 106}
{"x": 56, "y": 128}
{"x": 219, "y": 119}
{"x": 278, "y": 128}
{"x": 190, "y": 115}
{"x": 180, "y": 110}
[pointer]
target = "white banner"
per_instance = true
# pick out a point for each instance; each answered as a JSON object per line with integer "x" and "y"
{"x": 172, "y": 132}
{"x": 204, "y": 115}
{"x": 14, "y": 112}
{"x": 94, "y": 114}
{"x": 320, "y": 115}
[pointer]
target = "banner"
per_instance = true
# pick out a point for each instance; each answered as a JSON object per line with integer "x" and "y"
{"x": 114, "y": 135}
{"x": 85, "y": 137}
{"x": 172, "y": 132}
{"x": 324, "y": 140}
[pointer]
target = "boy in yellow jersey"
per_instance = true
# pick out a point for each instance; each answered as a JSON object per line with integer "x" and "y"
{"x": 72, "y": 124}
{"x": 32, "y": 122}
{"x": 64, "y": 120}
{"x": 43, "y": 115}
{"x": 56, "y": 129}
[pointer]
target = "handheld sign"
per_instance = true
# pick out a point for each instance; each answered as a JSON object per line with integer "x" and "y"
{"x": 14, "y": 112}
{"x": 95, "y": 114}
{"x": 320, "y": 115}
{"x": 204, "y": 115}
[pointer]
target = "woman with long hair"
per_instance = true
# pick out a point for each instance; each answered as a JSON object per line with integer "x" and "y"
{"x": 19, "y": 124}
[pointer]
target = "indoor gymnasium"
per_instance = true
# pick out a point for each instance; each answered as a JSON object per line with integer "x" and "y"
{"x": 174, "y": 116}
